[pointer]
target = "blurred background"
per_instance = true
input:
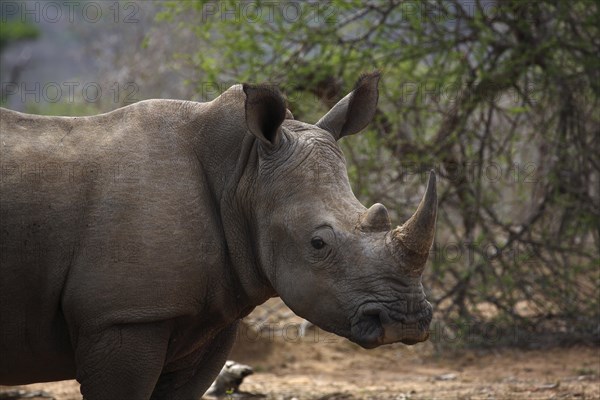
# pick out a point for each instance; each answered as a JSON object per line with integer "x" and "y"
{"x": 499, "y": 97}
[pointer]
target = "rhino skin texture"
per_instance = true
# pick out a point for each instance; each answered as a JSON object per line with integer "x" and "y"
{"x": 133, "y": 241}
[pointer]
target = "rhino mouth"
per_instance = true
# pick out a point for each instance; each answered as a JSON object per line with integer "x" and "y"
{"x": 373, "y": 327}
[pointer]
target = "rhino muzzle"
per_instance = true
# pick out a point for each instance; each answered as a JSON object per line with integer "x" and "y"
{"x": 409, "y": 245}
{"x": 374, "y": 326}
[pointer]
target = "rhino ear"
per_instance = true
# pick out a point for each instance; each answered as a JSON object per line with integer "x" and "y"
{"x": 355, "y": 111}
{"x": 265, "y": 111}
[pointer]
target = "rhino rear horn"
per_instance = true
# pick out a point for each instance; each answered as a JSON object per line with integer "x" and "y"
{"x": 355, "y": 111}
{"x": 375, "y": 219}
{"x": 265, "y": 112}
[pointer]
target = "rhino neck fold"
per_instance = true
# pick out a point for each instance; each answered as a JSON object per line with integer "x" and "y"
{"x": 227, "y": 154}
{"x": 251, "y": 282}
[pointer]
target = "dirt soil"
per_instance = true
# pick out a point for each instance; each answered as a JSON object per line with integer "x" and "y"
{"x": 321, "y": 366}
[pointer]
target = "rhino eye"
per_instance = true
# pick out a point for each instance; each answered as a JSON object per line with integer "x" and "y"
{"x": 317, "y": 243}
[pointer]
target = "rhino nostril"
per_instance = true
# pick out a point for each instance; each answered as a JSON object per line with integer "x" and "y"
{"x": 367, "y": 330}
{"x": 377, "y": 313}
{"x": 415, "y": 315}
{"x": 408, "y": 319}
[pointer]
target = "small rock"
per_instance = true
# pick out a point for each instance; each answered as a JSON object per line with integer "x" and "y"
{"x": 336, "y": 396}
{"x": 585, "y": 378}
{"x": 22, "y": 394}
{"x": 229, "y": 380}
{"x": 548, "y": 386}
{"x": 446, "y": 377}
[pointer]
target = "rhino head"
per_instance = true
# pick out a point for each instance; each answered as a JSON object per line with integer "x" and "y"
{"x": 333, "y": 261}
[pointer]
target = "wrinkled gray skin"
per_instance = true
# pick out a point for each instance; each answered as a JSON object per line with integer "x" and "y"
{"x": 133, "y": 241}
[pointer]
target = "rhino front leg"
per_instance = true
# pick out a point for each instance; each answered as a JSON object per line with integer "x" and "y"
{"x": 121, "y": 362}
{"x": 191, "y": 381}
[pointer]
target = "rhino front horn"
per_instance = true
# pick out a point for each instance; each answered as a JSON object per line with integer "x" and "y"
{"x": 416, "y": 235}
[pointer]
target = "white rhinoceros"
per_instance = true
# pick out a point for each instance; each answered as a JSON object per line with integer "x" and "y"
{"x": 134, "y": 240}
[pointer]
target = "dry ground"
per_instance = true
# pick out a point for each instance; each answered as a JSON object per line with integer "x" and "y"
{"x": 325, "y": 367}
